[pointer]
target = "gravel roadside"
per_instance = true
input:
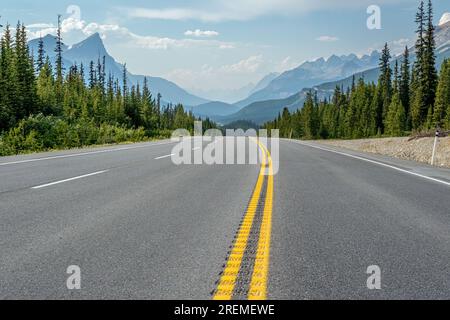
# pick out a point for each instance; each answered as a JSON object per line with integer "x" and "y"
{"x": 417, "y": 150}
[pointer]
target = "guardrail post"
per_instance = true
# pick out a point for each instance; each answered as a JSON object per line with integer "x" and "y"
{"x": 436, "y": 138}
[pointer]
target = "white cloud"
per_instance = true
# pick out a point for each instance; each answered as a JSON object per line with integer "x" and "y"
{"x": 201, "y": 34}
{"x": 327, "y": 39}
{"x": 227, "y": 46}
{"x": 72, "y": 24}
{"x": 286, "y": 64}
{"x": 242, "y": 10}
{"x": 396, "y": 47}
{"x": 40, "y": 26}
{"x": 230, "y": 76}
{"x": 249, "y": 65}
{"x": 445, "y": 18}
{"x": 77, "y": 28}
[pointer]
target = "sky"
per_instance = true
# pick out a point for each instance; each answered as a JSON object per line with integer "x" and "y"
{"x": 216, "y": 45}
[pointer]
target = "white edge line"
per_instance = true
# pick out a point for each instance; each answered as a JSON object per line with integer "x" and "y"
{"x": 163, "y": 157}
{"x": 83, "y": 154}
{"x": 172, "y": 154}
{"x": 375, "y": 162}
{"x": 70, "y": 179}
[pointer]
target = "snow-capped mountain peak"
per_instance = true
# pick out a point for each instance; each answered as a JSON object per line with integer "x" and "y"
{"x": 93, "y": 49}
{"x": 444, "y": 19}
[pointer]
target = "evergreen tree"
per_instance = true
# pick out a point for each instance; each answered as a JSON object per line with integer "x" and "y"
{"x": 396, "y": 82}
{"x": 45, "y": 89}
{"x": 41, "y": 55}
{"x": 425, "y": 74}
{"x": 124, "y": 81}
{"x": 430, "y": 76}
{"x": 309, "y": 115}
{"x": 24, "y": 103}
{"x": 384, "y": 87}
{"x": 7, "y": 81}
{"x": 404, "y": 86}
{"x": 59, "y": 64}
{"x": 43, "y": 107}
{"x": 92, "y": 76}
{"x": 442, "y": 108}
{"x": 396, "y": 117}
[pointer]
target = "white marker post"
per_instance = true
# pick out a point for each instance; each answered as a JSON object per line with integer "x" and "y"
{"x": 436, "y": 139}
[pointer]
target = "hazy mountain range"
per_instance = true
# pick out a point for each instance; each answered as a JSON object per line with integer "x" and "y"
{"x": 264, "y": 100}
{"x": 312, "y": 73}
{"x": 281, "y": 86}
{"x": 92, "y": 49}
{"x": 263, "y": 111}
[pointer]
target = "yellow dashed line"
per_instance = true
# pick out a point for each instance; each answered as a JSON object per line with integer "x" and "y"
{"x": 227, "y": 281}
{"x": 258, "y": 284}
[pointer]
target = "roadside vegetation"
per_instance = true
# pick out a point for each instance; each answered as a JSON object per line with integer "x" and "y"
{"x": 406, "y": 98}
{"x": 45, "y": 105}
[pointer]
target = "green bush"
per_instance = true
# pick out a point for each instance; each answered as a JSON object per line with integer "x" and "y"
{"x": 41, "y": 133}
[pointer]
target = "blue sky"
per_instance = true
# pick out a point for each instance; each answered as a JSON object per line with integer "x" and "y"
{"x": 222, "y": 44}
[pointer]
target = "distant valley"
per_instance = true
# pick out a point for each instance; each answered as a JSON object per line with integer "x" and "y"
{"x": 263, "y": 101}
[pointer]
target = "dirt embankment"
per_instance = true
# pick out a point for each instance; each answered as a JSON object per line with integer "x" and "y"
{"x": 417, "y": 150}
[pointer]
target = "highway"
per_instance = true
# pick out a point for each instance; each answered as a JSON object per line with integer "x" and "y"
{"x": 140, "y": 227}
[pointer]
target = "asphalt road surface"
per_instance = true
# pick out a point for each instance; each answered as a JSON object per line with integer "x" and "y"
{"x": 140, "y": 227}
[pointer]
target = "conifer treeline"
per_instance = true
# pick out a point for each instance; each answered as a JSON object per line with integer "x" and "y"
{"x": 44, "y": 106}
{"x": 406, "y": 98}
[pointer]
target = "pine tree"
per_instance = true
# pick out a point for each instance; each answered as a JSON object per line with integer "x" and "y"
{"x": 396, "y": 82}
{"x": 148, "y": 108}
{"x": 92, "y": 76}
{"x": 45, "y": 89}
{"x": 417, "y": 100}
{"x": 59, "y": 64}
{"x": 430, "y": 78}
{"x": 24, "y": 74}
{"x": 396, "y": 117}
{"x": 7, "y": 85}
{"x": 41, "y": 55}
{"x": 404, "y": 89}
{"x": 54, "y": 109}
{"x": 385, "y": 87}
{"x": 442, "y": 107}
{"x": 309, "y": 116}
{"x": 124, "y": 81}
{"x": 420, "y": 42}
{"x": 425, "y": 74}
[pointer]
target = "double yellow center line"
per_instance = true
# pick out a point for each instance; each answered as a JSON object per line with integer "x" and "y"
{"x": 258, "y": 282}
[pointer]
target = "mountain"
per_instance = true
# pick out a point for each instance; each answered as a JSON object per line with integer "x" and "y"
{"x": 49, "y": 46}
{"x": 93, "y": 49}
{"x": 312, "y": 73}
{"x": 234, "y": 95}
{"x": 443, "y": 34}
{"x": 264, "y": 111}
{"x": 49, "y": 43}
{"x": 264, "y": 82}
{"x": 223, "y": 94}
{"x": 224, "y": 106}
{"x": 442, "y": 53}
{"x": 214, "y": 108}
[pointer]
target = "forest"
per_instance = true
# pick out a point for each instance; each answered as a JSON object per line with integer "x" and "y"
{"x": 45, "y": 106}
{"x": 407, "y": 97}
